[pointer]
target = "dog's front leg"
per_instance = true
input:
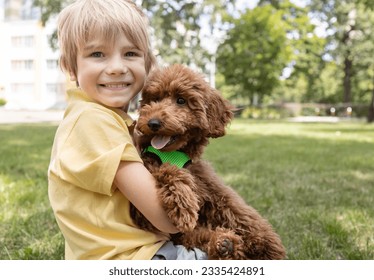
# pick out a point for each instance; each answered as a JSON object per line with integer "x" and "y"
{"x": 176, "y": 190}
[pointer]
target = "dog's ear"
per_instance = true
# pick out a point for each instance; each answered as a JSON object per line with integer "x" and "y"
{"x": 219, "y": 113}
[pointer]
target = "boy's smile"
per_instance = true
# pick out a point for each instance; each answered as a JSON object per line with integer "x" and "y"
{"x": 116, "y": 86}
{"x": 110, "y": 72}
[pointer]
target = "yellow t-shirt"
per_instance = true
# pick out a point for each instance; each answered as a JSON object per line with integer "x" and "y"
{"x": 92, "y": 214}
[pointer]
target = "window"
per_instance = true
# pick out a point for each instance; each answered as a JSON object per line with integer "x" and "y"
{"x": 21, "y": 65}
{"x": 22, "y": 88}
{"x": 28, "y": 41}
{"x": 16, "y": 65}
{"x": 22, "y": 41}
{"x": 16, "y": 42}
{"x": 55, "y": 88}
{"x": 52, "y": 64}
{"x": 29, "y": 64}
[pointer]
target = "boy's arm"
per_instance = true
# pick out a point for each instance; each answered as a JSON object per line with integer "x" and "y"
{"x": 139, "y": 187}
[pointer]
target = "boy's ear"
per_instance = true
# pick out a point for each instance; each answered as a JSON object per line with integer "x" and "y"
{"x": 72, "y": 76}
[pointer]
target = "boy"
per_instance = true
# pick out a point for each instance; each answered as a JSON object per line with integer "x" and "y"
{"x": 95, "y": 170}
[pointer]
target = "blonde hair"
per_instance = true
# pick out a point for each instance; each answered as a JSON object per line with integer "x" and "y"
{"x": 85, "y": 18}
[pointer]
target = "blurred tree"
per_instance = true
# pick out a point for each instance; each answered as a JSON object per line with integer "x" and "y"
{"x": 349, "y": 29}
{"x": 345, "y": 55}
{"x": 308, "y": 51}
{"x": 254, "y": 53}
{"x": 49, "y": 8}
{"x": 326, "y": 87}
{"x": 363, "y": 50}
{"x": 180, "y": 25}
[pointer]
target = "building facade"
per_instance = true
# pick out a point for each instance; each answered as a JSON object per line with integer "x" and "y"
{"x": 30, "y": 76}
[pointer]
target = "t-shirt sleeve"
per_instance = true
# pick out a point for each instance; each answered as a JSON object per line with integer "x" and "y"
{"x": 93, "y": 150}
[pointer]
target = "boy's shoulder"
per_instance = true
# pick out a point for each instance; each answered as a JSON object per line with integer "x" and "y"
{"x": 82, "y": 108}
{"x": 94, "y": 114}
{"x": 78, "y": 108}
{"x": 79, "y": 103}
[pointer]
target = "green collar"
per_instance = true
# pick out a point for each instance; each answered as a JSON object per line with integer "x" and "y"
{"x": 176, "y": 158}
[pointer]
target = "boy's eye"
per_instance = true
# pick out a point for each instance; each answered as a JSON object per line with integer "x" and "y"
{"x": 134, "y": 53}
{"x": 131, "y": 54}
{"x": 97, "y": 54}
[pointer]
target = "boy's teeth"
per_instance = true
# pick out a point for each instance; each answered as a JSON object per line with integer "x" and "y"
{"x": 116, "y": 86}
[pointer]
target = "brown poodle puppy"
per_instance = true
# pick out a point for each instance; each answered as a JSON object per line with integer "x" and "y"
{"x": 179, "y": 113}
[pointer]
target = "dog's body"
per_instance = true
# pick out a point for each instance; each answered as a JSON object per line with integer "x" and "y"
{"x": 180, "y": 111}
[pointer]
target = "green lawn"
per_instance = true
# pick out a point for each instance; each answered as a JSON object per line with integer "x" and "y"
{"x": 27, "y": 226}
{"x": 314, "y": 182}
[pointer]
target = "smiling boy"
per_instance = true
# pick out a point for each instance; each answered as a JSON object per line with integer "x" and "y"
{"x": 95, "y": 171}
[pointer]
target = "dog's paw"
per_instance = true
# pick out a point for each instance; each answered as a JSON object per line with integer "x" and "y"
{"x": 176, "y": 189}
{"x": 181, "y": 205}
{"x": 185, "y": 220}
{"x": 226, "y": 245}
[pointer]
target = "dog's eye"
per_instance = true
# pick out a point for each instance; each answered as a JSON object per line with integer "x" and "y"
{"x": 181, "y": 101}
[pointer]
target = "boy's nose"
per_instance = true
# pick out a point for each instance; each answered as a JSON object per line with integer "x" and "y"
{"x": 116, "y": 67}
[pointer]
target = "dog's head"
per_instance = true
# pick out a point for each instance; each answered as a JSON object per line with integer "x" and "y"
{"x": 179, "y": 109}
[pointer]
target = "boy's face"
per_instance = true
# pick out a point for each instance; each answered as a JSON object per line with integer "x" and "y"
{"x": 110, "y": 73}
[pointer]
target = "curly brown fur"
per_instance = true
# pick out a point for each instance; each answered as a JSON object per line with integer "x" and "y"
{"x": 179, "y": 104}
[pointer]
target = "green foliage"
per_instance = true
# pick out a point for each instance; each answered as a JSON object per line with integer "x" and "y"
{"x": 178, "y": 28}
{"x": 230, "y": 92}
{"x": 304, "y": 81}
{"x": 2, "y": 101}
{"x": 254, "y": 52}
{"x": 49, "y": 8}
{"x": 351, "y": 43}
{"x": 262, "y": 43}
{"x": 302, "y": 87}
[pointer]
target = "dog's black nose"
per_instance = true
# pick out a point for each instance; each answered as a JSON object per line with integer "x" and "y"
{"x": 154, "y": 124}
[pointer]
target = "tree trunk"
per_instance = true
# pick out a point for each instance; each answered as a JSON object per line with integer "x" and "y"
{"x": 347, "y": 98}
{"x": 348, "y": 64}
{"x": 371, "y": 106}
